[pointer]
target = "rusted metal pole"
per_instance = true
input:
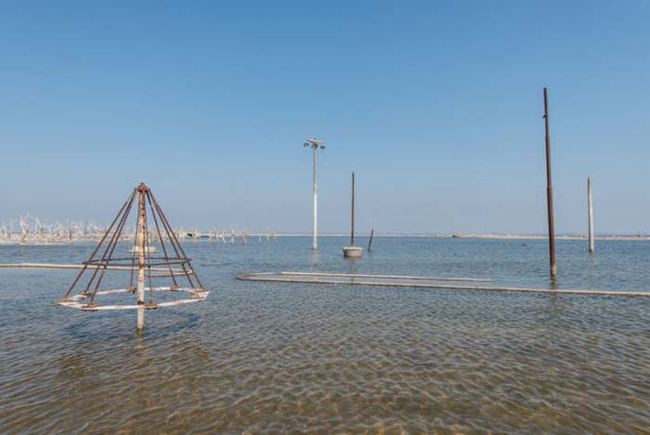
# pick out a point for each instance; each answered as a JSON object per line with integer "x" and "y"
{"x": 549, "y": 192}
{"x": 142, "y": 228}
{"x": 372, "y": 234}
{"x": 352, "y": 223}
{"x": 591, "y": 216}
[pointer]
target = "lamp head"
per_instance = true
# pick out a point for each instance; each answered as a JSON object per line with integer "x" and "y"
{"x": 314, "y": 143}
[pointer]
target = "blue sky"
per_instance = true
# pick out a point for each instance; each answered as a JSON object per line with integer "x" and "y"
{"x": 437, "y": 106}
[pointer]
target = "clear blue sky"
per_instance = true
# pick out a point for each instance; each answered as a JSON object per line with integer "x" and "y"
{"x": 437, "y": 106}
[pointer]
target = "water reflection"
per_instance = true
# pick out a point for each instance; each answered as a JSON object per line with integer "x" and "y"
{"x": 101, "y": 326}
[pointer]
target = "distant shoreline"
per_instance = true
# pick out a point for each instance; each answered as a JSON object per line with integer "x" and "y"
{"x": 469, "y": 236}
{"x": 16, "y": 240}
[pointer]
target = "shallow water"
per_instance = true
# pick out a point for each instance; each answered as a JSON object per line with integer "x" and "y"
{"x": 275, "y": 357}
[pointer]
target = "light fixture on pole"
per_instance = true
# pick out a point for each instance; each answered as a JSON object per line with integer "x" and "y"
{"x": 315, "y": 145}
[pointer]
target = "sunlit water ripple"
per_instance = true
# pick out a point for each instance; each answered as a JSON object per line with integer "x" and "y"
{"x": 274, "y": 357}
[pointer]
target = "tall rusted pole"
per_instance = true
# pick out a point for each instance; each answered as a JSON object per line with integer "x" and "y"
{"x": 352, "y": 226}
{"x": 549, "y": 192}
{"x": 591, "y": 216}
{"x": 142, "y": 227}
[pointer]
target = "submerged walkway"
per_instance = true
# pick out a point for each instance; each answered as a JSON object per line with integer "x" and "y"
{"x": 416, "y": 282}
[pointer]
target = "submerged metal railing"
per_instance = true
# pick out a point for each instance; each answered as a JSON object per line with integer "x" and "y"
{"x": 415, "y": 282}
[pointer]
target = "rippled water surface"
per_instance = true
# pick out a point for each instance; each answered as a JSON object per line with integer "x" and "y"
{"x": 277, "y": 357}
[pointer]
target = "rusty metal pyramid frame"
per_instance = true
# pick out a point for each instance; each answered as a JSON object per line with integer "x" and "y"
{"x": 144, "y": 264}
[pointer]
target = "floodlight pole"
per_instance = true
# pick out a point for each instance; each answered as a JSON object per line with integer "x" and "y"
{"x": 142, "y": 227}
{"x": 315, "y": 223}
{"x": 315, "y": 144}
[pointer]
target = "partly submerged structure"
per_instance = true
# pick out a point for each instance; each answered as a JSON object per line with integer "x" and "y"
{"x": 171, "y": 270}
{"x": 352, "y": 251}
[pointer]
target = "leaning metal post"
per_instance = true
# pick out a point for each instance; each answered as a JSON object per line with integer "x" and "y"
{"x": 549, "y": 193}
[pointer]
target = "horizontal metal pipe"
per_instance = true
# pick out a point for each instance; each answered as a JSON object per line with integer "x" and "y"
{"x": 80, "y": 266}
{"x": 354, "y": 275}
